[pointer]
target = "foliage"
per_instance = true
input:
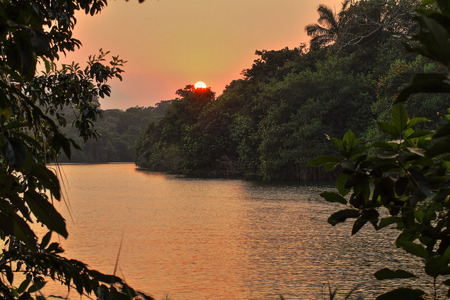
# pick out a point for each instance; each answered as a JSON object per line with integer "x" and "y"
{"x": 269, "y": 124}
{"x": 405, "y": 181}
{"x": 168, "y": 143}
{"x": 361, "y": 23}
{"x": 330, "y": 26}
{"x": 118, "y": 131}
{"x": 31, "y": 118}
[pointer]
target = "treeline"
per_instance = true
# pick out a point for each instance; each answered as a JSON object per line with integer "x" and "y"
{"x": 273, "y": 121}
{"x": 117, "y": 131}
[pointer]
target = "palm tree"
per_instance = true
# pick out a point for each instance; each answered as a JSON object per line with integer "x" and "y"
{"x": 329, "y": 27}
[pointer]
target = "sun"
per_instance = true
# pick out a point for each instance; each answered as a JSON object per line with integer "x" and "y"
{"x": 200, "y": 85}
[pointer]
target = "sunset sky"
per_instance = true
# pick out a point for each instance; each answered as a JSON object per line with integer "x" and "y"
{"x": 171, "y": 43}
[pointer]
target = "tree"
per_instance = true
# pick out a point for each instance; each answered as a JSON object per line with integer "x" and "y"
{"x": 371, "y": 21}
{"x": 403, "y": 182}
{"x": 166, "y": 144}
{"x": 329, "y": 27}
{"x": 31, "y": 116}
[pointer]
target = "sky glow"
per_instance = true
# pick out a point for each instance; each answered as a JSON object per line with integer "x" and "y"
{"x": 165, "y": 52}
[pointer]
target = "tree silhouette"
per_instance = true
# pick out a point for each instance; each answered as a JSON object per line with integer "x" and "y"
{"x": 329, "y": 26}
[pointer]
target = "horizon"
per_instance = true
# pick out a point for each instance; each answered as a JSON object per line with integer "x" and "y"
{"x": 169, "y": 45}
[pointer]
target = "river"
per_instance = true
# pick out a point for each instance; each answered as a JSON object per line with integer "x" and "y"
{"x": 216, "y": 238}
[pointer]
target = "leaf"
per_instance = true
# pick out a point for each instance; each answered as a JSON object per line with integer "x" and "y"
{"x": 443, "y": 131}
{"x": 46, "y": 212}
{"x": 20, "y": 55}
{"x": 436, "y": 266}
{"x": 46, "y": 239}
{"x": 337, "y": 142}
{"x": 37, "y": 286}
{"x": 415, "y": 121}
{"x": 426, "y": 2}
{"x": 386, "y": 273}
{"x": 341, "y": 216}
{"x": 333, "y": 197}
{"x": 414, "y": 249}
{"x": 9, "y": 274}
{"x": 370, "y": 215}
{"x": 388, "y": 129}
{"x": 400, "y": 186}
{"x": 441, "y": 146}
{"x": 388, "y": 221}
{"x": 399, "y": 117}
{"x": 329, "y": 162}
{"x": 24, "y": 285}
{"x": 436, "y": 40}
{"x": 60, "y": 141}
{"x": 348, "y": 166}
{"x": 39, "y": 41}
{"x": 341, "y": 184}
{"x": 402, "y": 294}
{"x": 15, "y": 151}
{"x": 47, "y": 178}
{"x": 416, "y": 151}
{"x": 419, "y": 133}
{"x": 385, "y": 146}
{"x": 425, "y": 83}
{"x": 421, "y": 180}
{"x": 349, "y": 139}
{"x": 23, "y": 232}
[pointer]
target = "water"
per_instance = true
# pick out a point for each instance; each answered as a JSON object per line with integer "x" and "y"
{"x": 216, "y": 239}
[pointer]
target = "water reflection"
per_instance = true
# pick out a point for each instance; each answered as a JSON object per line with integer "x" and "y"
{"x": 215, "y": 239}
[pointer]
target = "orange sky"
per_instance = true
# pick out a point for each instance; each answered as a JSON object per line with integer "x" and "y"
{"x": 171, "y": 43}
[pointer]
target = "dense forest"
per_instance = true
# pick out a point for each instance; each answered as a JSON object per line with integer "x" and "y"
{"x": 275, "y": 119}
{"x": 117, "y": 133}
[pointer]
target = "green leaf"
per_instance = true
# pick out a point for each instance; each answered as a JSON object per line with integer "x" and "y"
{"x": 425, "y": 83}
{"x": 341, "y": 216}
{"x": 329, "y": 162}
{"x": 399, "y": 117}
{"x": 421, "y": 180}
{"x": 341, "y": 184}
{"x": 416, "y": 151}
{"x": 437, "y": 39}
{"x": 441, "y": 146}
{"x": 426, "y": 2}
{"x": 338, "y": 143}
{"x": 402, "y": 294}
{"x": 415, "y": 121}
{"x": 389, "y": 221}
{"x": 370, "y": 215}
{"x": 443, "y": 131}
{"x": 414, "y": 249}
{"x": 333, "y": 197}
{"x": 348, "y": 166}
{"x": 386, "y": 273}
{"x": 400, "y": 185}
{"x": 436, "y": 266}
{"x": 384, "y": 146}
{"x": 420, "y": 133}
{"x": 349, "y": 139}
{"x": 388, "y": 129}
